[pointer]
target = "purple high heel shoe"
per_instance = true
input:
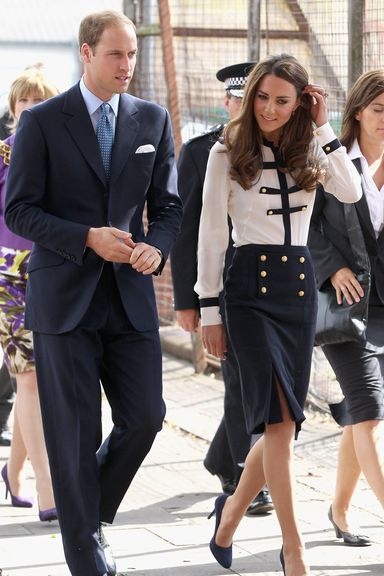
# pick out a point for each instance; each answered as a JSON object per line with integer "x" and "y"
{"x": 16, "y": 501}
{"x": 48, "y": 515}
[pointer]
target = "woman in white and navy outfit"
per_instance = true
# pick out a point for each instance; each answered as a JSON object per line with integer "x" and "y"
{"x": 264, "y": 177}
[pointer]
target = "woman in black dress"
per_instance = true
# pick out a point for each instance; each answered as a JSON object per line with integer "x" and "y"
{"x": 359, "y": 367}
{"x": 264, "y": 177}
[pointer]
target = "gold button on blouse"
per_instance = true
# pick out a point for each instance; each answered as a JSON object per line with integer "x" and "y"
{"x": 327, "y": 148}
{"x": 318, "y": 133}
{"x": 302, "y": 276}
{"x": 303, "y": 208}
{"x": 263, "y": 290}
{"x": 270, "y": 212}
{"x": 263, "y": 273}
{"x": 263, "y": 257}
{"x": 284, "y": 258}
{"x": 301, "y": 293}
{"x": 263, "y": 190}
{"x": 302, "y": 259}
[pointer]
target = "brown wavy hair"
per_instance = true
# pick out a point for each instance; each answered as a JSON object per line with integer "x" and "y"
{"x": 244, "y": 138}
{"x": 366, "y": 88}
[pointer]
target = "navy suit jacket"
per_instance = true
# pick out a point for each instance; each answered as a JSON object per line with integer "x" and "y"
{"x": 57, "y": 190}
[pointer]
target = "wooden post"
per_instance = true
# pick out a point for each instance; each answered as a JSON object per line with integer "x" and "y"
{"x": 170, "y": 70}
{"x": 355, "y": 39}
{"x": 199, "y": 358}
{"x": 254, "y": 30}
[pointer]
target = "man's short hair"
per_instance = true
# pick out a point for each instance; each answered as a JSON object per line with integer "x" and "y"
{"x": 92, "y": 26}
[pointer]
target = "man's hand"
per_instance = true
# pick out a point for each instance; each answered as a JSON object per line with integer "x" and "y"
{"x": 112, "y": 244}
{"x": 188, "y": 319}
{"x": 346, "y": 284}
{"x": 145, "y": 258}
{"x": 214, "y": 340}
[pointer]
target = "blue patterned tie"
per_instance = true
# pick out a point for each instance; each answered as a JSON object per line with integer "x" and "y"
{"x": 104, "y": 133}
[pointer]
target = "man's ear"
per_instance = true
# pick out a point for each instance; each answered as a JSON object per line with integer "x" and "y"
{"x": 86, "y": 53}
{"x": 226, "y": 102}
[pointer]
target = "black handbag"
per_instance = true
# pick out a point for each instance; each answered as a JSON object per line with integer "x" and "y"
{"x": 337, "y": 323}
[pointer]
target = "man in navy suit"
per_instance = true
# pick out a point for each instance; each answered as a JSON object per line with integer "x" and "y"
{"x": 90, "y": 299}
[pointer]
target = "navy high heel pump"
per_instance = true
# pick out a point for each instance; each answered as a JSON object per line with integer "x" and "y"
{"x": 282, "y": 562}
{"x": 222, "y": 554}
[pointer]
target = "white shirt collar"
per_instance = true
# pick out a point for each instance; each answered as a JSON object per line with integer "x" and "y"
{"x": 355, "y": 151}
{"x": 93, "y": 102}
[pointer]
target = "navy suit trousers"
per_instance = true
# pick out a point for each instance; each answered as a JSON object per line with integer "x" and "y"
{"x": 90, "y": 478}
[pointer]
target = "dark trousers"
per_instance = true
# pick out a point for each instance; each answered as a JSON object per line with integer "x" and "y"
{"x": 231, "y": 442}
{"x": 7, "y": 386}
{"x": 90, "y": 481}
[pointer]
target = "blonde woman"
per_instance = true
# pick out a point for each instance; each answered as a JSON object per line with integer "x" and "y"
{"x": 28, "y": 89}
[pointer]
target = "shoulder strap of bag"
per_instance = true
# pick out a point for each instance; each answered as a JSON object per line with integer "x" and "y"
{"x": 355, "y": 234}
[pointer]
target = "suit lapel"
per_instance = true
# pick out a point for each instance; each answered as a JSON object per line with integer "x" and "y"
{"x": 127, "y": 128}
{"x": 80, "y": 127}
{"x": 364, "y": 216}
{"x": 362, "y": 205}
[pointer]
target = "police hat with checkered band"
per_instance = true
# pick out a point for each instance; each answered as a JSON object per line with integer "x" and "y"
{"x": 235, "y": 77}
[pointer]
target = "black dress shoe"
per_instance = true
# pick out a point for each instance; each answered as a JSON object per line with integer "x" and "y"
{"x": 262, "y": 504}
{"x": 5, "y": 438}
{"x": 109, "y": 559}
{"x": 228, "y": 485}
{"x": 349, "y": 538}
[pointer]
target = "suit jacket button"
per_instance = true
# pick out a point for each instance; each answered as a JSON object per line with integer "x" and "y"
{"x": 263, "y": 290}
{"x": 301, "y": 259}
{"x": 263, "y": 257}
{"x": 284, "y": 258}
{"x": 301, "y": 293}
{"x": 263, "y": 273}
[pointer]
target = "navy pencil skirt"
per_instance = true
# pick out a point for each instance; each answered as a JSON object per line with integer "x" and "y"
{"x": 271, "y": 305}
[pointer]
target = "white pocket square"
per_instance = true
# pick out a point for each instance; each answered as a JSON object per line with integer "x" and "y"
{"x": 145, "y": 148}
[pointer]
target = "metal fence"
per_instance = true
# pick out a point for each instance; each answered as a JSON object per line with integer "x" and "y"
{"x": 335, "y": 40}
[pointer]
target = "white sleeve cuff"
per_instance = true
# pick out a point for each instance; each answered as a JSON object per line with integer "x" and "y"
{"x": 325, "y": 134}
{"x": 210, "y": 316}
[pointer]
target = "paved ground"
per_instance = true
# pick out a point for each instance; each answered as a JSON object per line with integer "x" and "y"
{"x": 162, "y": 527}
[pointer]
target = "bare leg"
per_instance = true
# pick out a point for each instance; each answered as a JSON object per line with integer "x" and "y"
{"x": 17, "y": 456}
{"x": 31, "y": 427}
{"x": 348, "y": 472}
{"x": 370, "y": 454}
{"x": 270, "y": 460}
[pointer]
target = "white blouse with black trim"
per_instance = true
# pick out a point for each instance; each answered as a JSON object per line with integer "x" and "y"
{"x": 273, "y": 211}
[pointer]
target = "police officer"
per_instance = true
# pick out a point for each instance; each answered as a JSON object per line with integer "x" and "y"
{"x": 231, "y": 442}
